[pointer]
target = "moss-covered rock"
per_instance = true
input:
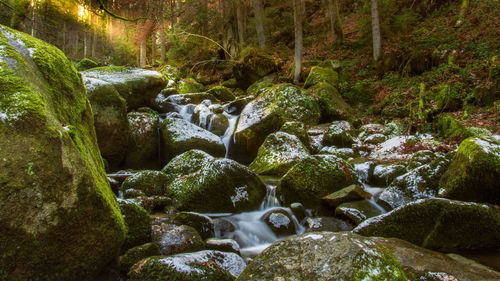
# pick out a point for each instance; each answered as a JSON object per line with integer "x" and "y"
{"x": 279, "y": 152}
{"x": 223, "y": 245}
{"x": 53, "y": 189}
{"x": 135, "y": 254}
{"x": 202, "y": 183}
{"x": 203, "y": 224}
{"x": 142, "y": 152}
{"x": 254, "y": 65}
{"x": 384, "y": 174}
{"x": 137, "y": 221}
{"x": 351, "y": 193}
{"x": 339, "y": 133}
{"x": 149, "y": 182}
{"x": 324, "y": 256}
{"x": 313, "y": 178}
{"x": 222, "y": 93}
{"x": 110, "y": 119}
{"x": 171, "y": 74}
{"x": 218, "y": 124}
{"x": 267, "y": 113}
{"x": 137, "y": 86}
{"x": 179, "y": 136}
{"x": 85, "y": 64}
{"x": 449, "y": 127}
{"x": 358, "y": 211}
{"x": 314, "y": 224}
{"x": 297, "y": 129}
{"x": 320, "y": 74}
{"x": 203, "y": 265}
{"x": 181, "y": 239}
{"x": 439, "y": 224}
{"x": 189, "y": 85}
{"x": 333, "y": 106}
{"x": 280, "y": 221}
{"x": 474, "y": 172}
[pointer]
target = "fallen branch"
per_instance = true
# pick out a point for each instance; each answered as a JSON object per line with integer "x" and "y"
{"x": 103, "y": 7}
{"x": 204, "y": 37}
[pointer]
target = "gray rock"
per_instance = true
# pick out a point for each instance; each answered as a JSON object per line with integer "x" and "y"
{"x": 180, "y": 239}
{"x": 203, "y": 224}
{"x": 351, "y": 193}
{"x": 223, "y": 245}
{"x": 358, "y": 211}
{"x": 142, "y": 152}
{"x": 331, "y": 224}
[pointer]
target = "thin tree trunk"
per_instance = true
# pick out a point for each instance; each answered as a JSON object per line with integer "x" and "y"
{"x": 142, "y": 51}
{"x": 298, "y": 9}
{"x": 463, "y": 10}
{"x": 377, "y": 41}
{"x": 240, "y": 15}
{"x": 153, "y": 47}
{"x": 259, "y": 18}
{"x": 163, "y": 42}
{"x": 94, "y": 42}
{"x": 85, "y": 39}
{"x": 336, "y": 24}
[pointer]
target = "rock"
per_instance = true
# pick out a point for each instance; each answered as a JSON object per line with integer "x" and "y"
{"x": 189, "y": 85}
{"x": 339, "y": 134}
{"x": 322, "y": 74}
{"x": 422, "y": 157}
{"x": 280, "y": 221}
{"x": 279, "y": 152}
{"x": 344, "y": 153}
{"x": 370, "y": 129}
{"x": 53, "y": 189}
{"x": 110, "y": 119}
{"x": 315, "y": 224}
{"x": 181, "y": 239}
{"x": 85, "y": 64}
{"x": 203, "y": 265}
{"x": 175, "y": 102}
{"x": 222, "y": 93}
{"x": 375, "y": 139}
{"x": 179, "y": 136}
{"x": 351, "y": 193}
{"x": 171, "y": 74}
{"x": 267, "y": 113}
{"x": 201, "y": 183}
{"x": 297, "y": 129}
{"x": 222, "y": 227}
{"x": 138, "y": 253}
{"x": 384, "y": 174}
{"x": 474, "y": 172}
{"x": 202, "y": 114}
{"x": 235, "y": 107}
{"x": 137, "y": 221}
{"x": 253, "y": 66}
{"x": 203, "y": 224}
{"x": 439, "y": 224}
{"x": 452, "y": 128}
{"x": 149, "y": 182}
{"x": 313, "y": 178}
{"x": 333, "y": 106}
{"x": 218, "y": 124}
{"x": 358, "y": 211}
{"x": 137, "y": 86}
{"x": 298, "y": 211}
{"x": 259, "y": 87}
{"x": 142, "y": 152}
{"x": 223, "y": 245}
{"x": 324, "y": 256}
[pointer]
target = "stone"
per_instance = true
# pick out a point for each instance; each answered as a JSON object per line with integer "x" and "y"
{"x": 222, "y": 93}
{"x": 315, "y": 224}
{"x": 322, "y": 74}
{"x": 149, "y": 182}
{"x": 298, "y": 211}
{"x": 384, "y": 174}
{"x": 351, "y": 193}
{"x": 297, "y": 129}
{"x": 280, "y": 221}
{"x": 142, "y": 152}
{"x": 203, "y": 224}
{"x": 137, "y": 221}
{"x": 85, "y": 64}
{"x": 189, "y": 85}
{"x": 218, "y": 124}
{"x": 222, "y": 227}
{"x": 339, "y": 134}
{"x": 223, "y": 245}
{"x": 138, "y": 253}
{"x": 333, "y": 106}
{"x": 358, "y": 211}
{"x": 181, "y": 239}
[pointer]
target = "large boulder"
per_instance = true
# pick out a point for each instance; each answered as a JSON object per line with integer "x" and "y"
{"x": 313, "y": 178}
{"x": 439, "y": 224}
{"x": 142, "y": 152}
{"x": 110, "y": 119}
{"x": 189, "y": 85}
{"x": 474, "y": 172}
{"x": 324, "y": 256}
{"x": 137, "y": 221}
{"x": 58, "y": 216}
{"x": 320, "y": 74}
{"x": 137, "y": 86}
{"x": 254, "y": 65}
{"x": 333, "y": 106}
{"x": 279, "y": 152}
{"x": 267, "y": 113}
{"x": 202, "y": 183}
{"x": 149, "y": 182}
{"x": 180, "y": 239}
{"x": 135, "y": 254}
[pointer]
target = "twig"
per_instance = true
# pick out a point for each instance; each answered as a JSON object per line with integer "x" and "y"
{"x": 204, "y": 37}
{"x": 103, "y": 7}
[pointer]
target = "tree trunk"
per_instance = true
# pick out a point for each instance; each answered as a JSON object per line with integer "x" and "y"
{"x": 142, "y": 52}
{"x": 85, "y": 39}
{"x": 64, "y": 37}
{"x": 153, "y": 47}
{"x": 94, "y": 42}
{"x": 335, "y": 23}
{"x": 163, "y": 42}
{"x": 377, "y": 41}
{"x": 463, "y": 10}
{"x": 259, "y": 22}
{"x": 241, "y": 21}
{"x": 298, "y": 9}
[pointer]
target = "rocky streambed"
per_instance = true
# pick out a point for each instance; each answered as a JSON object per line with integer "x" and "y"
{"x": 276, "y": 182}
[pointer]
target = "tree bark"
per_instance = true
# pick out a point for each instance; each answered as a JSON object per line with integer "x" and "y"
{"x": 377, "y": 40}
{"x": 153, "y": 47}
{"x": 259, "y": 24}
{"x": 163, "y": 42}
{"x": 142, "y": 52}
{"x": 241, "y": 21}
{"x": 335, "y": 23}
{"x": 298, "y": 18}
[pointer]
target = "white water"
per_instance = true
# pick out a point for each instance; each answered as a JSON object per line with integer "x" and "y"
{"x": 227, "y": 137}
{"x": 362, "y": 170}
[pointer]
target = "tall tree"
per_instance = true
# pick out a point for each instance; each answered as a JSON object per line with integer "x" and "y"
{"x": 240, "y": 17}
{"x": 335, "y": 22}
{"x": 377, "y": 40}
{"x": 259, "y": 22}
{"x": 299, "y": 12}
{"x": 163, "y": 42}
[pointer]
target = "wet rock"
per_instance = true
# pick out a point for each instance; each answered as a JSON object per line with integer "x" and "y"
{"x": 393, "y": 129}
{"x": 171, "y": 74}
{"x": 370, "y": 129}
{"x": 297, "y": 129}
{"x": 439, "y": 224}
{"x": 351, "y": 193}
{"x": 181, "y": 239}
{"x": 333, "y": 106}
{"x": 222, "y": 93}
{"x": 203, "y": 265}
{"x": 223, "y": 245}
{"x": 189, "y": 85}
{"x": 324, "y": 256}
{"x": 267, "y": 113}
{"x": 280, "y": 222}
{"x": 322, "y": 74}
{"x": 254, "y": 65}
{"x": 138, "y": 253}
{"x": 218, "y": 124}
{"x": 175, "y": 102}
{"x": 339, "y": 134}
{"x": 235, "y": 107}
{"x": 422, "y": 157}
{"x": 298, "y": 211}
{"x": 384, "y": 174}
{"x": 279, "y": 152}
{"x": 375, "y": 139}
{"x": 259, "y": 87}
{"x": 358, "y": 211}
{"x": 474, "y": 172}
{"x": 203, "y": 224}
{"x": 179, "y": 135}
{"x": 142, "y": 152}
{"x": 222, "y": 227}
{"x": 344, "y": 153}
{"x": 202, "y": 114}
{"x": 138, "y": 223}
{"x": 149, "y": 182}
{"x": 313, "y": 178}
{"x": 201, "y": 183}
{"x": 316, "y": 224}
{"x": 316, "y": 135}
{"x": 54, "y": 194}
{"x": 137, "y": 86}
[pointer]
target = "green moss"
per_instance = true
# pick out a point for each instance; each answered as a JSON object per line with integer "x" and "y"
{"x": 451, "y": 128}
{"x": 138, "y": 224}
{"x": 322, "y": 74}
{"x": 189, "y": 85}
{"x": 138, "y": 253}
{"x": 333, "y": 106}
{"x": 297, "y": 129}
{"x": 222, "y": 93}
{"x": 85, "y": 64}
{"x": 203, "y": 224}
{"x": 149, "y": 182}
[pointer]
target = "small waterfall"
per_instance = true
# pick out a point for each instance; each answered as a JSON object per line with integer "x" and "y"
{"x": 227, "y": 137}
{"x": 363, "y": 173}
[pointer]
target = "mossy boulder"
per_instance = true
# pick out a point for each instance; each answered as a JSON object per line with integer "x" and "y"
{"x": 333, "y": 106}
{"x": 324, "y": 256}
{"x": 203, "y": 224}
{"x": 358, "y": 211}
{"x": 53, "y": 189}
{"x": 474, "y": 172}
{"x": 254, "y": 65}
{"x": 189, "y": 85}
{"x": 450, "y": 127}
{"x": 351, "y": 193}
{"x": 222, "y": 93}
{"x": 171, "y": 74}
{"x": 279, "y": 152}
{"x": 149, "y": 182}
{"x": 280, "y": 221}
{"x": 315, "y": 224}
{"x": 85, "y": 64}
{"x": 137, "y": 86}
{"x": 223, "y": 245}
{"x": 219, "y": 124}
{"x": 267, "y": 113}
{"x": 314, "y": 177}
{"x": 320, "y": 74}
{"x": 137, "y": 221}
{"x": 110, "y": 119}
{"x": 297, "y": 129}
{"x": 203, "y": 265}
{"x": 384, "y": 174}
{"x": 339, "y": 134}
{"x": 439, "y": 224}
{"x": 142, "y": 152}
{"x": 135, "y": 254}
{"x": 202, "y": 183}
{"x": 181, "y": 239}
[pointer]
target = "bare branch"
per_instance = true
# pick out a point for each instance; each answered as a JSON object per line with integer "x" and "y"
{"x": 204, "y": 37}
